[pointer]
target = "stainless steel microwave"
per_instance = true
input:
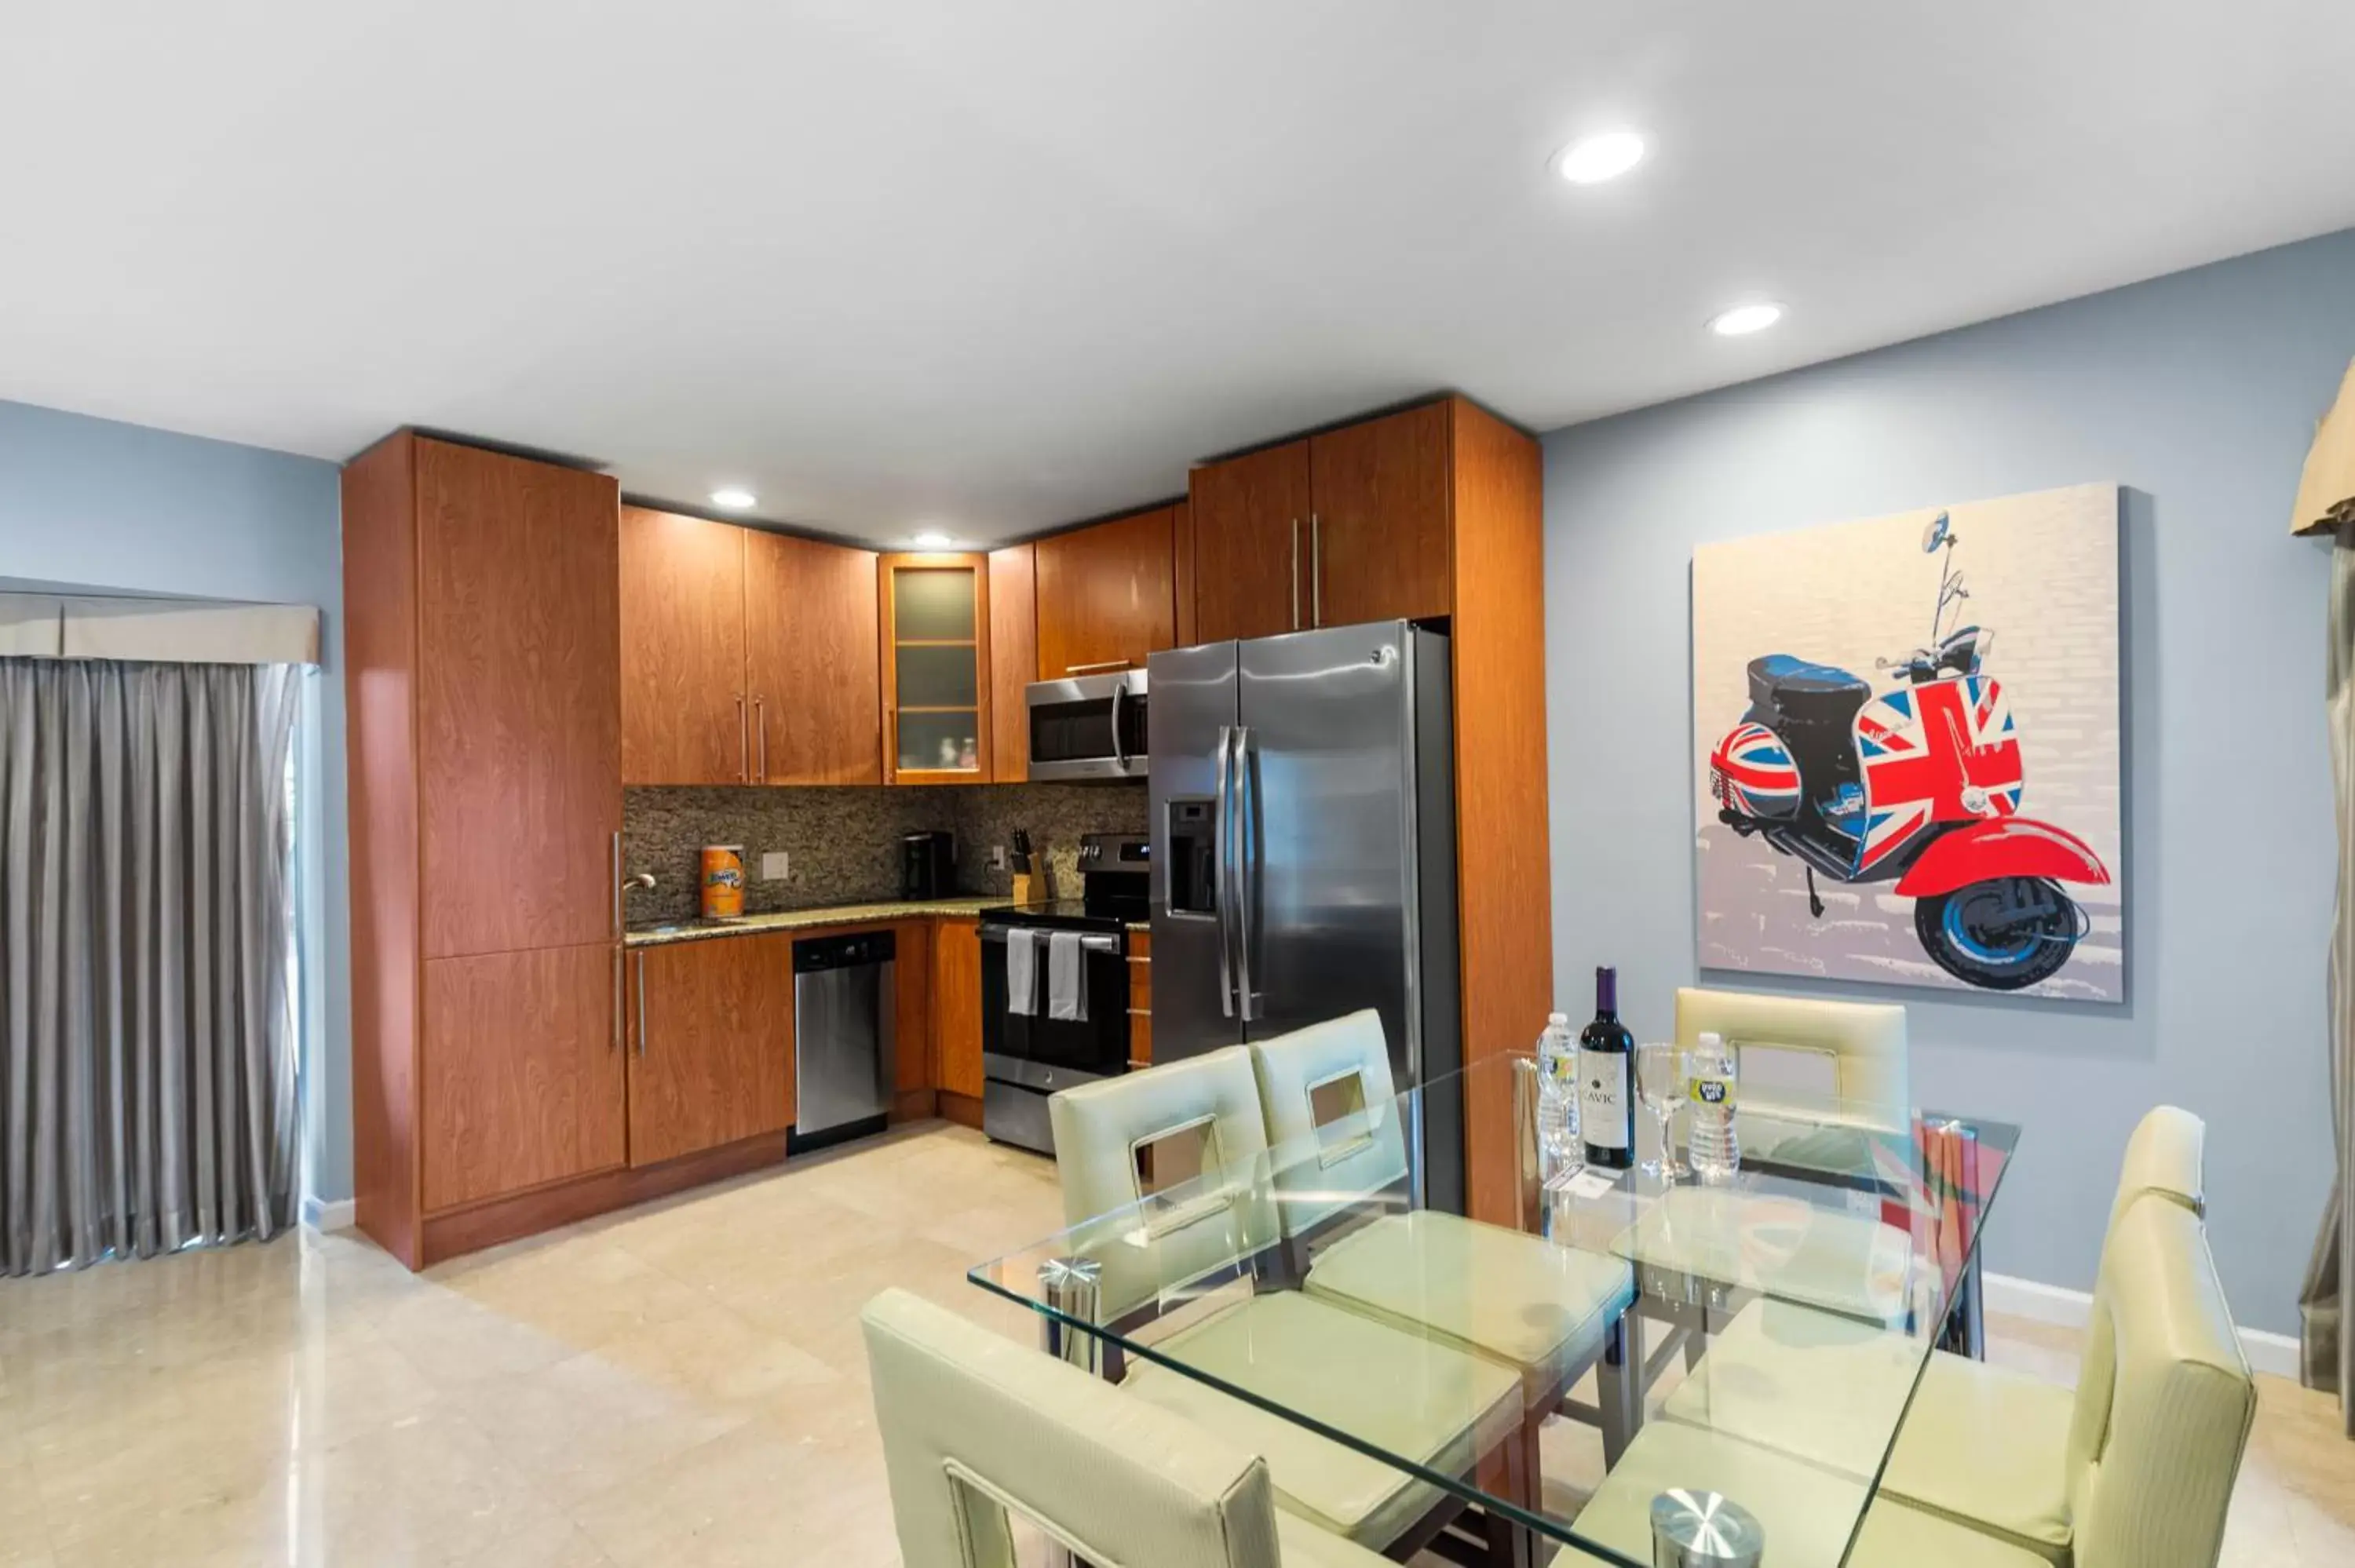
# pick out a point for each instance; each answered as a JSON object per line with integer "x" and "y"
{"x": 1089, "y": 726}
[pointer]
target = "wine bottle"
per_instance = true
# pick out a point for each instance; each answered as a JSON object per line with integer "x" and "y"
{"x": 1606, "y": 1052}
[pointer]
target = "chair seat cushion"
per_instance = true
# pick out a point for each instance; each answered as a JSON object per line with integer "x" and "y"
{"x": 1523, "y": 1299}
{"x": 1808, "y": 1512}
{"x": 1898, "y": 1536}
{"x": 1989, "y": 1446}
{"x": 1812, "y": 1384}
{"x": 1305, "y": 1545}
{"x": 1425, "y": 1400}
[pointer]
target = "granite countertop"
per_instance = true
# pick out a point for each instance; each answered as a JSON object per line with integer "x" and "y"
{"x": 809, "y": 919}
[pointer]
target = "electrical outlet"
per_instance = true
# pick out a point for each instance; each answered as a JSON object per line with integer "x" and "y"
{"x": 998, "y": 857}
{"x": 776, "y": 866}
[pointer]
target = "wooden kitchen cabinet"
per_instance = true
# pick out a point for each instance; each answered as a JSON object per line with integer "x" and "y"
{"x": 1250, "y": 518}
{"x": 1377, "y": 542}
{"x": 937, "y": 700}
{"x": 913, "y": 1045}
{"x": 519, "y": 744}
{"x": 522, "y": 1075}
{"x": 1013, "y": 656}
{"x": 1106, "y": 595}
{"x": 1140, "y": 1000}
{"x": 482, "y": 692}
{"x": 956, "y": 1006}
{"x": 710, "y": 1044}
{"x": 683, "y": 615}
{"x": 810, "y": 673}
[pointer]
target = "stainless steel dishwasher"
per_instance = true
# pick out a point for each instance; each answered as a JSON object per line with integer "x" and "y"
{"x": 845, "y": 1035}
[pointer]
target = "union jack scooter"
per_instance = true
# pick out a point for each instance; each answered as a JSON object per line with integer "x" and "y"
{"x": 1921, "y": 784}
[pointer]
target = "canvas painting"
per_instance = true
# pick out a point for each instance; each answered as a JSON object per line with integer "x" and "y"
{"x": 1906, "y": 750}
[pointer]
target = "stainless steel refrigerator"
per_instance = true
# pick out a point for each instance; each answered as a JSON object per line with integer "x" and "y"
{"x": 1303, "y": 848}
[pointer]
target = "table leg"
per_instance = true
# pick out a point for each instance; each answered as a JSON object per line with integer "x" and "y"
{"x": 1619, "y": 1385}
{"x": 1965, "y": 1327}
{"x": 1069, "y": 1286}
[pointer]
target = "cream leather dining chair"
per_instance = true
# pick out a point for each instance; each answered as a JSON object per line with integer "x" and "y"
{"x": 976, "y": 1426}
{"x": 1980, "y": 1444}
{"x": 2166, "y": 1402}
{"x": 1330, "y": 1105}
{"x": 1403, "y": 1392}
{"x": 1808, "y": 1067}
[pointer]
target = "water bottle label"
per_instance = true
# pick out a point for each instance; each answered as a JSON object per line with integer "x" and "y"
{"x": 1710, "y": 1091}
{"x": 1602, "y": 1097}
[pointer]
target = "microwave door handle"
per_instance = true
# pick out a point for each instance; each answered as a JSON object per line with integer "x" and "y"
{"x": 1246, "y": 874}
{"x": 1222, "y": 809}
{"x": 1119, "y": 757}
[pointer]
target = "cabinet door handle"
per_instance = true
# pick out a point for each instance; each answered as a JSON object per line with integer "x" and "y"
{"x": 761, "y": 724}
{"x": 642, "y": 1004}
{"x": 743, "y": 743}
{"x": 1295, "y": 574}
{"x": 616, "y": 1042}
{"x": 1315, "y": 571}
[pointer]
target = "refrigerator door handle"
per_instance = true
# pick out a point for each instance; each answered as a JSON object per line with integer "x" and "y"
{"x": 1220, "y": 884}
{"x": 1246, "y": 805}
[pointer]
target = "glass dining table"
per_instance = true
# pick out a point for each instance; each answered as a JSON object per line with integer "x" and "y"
{"x": 1499, "y": 1388}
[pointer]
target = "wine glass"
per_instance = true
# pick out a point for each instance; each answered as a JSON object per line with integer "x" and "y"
{"x": 1659, "y": 1085}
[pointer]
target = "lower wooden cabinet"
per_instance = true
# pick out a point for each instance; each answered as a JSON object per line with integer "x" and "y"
{"x": 913, "y": 1006}
{"x": 1140, "y": 1000}
{"x": 710, "y": 1044}
{"x": 522, "y": 1077}
{"x": 956, "y": 1006}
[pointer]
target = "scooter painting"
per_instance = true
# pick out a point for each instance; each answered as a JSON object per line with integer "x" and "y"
{"x": 1921, "y": 786}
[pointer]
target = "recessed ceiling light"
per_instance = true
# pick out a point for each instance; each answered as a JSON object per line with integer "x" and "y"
{"x": 733, "y": 499}
{"x": 1592, "y": 160}
{"x": 1743, "y": 320}
{"x": 933, "y": 541}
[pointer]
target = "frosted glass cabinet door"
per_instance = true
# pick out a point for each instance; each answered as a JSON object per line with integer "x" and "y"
{"x": 936, "y": 667}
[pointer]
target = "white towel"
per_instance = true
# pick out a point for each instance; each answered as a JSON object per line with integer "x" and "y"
{"x": 1067, "y": 977}
{"x": 1021, "y": 971}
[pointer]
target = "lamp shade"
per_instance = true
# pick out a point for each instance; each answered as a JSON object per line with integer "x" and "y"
{"x": 2326, "y": 493}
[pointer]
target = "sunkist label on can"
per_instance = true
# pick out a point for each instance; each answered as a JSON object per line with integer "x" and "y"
{"x": 723, "y": 882}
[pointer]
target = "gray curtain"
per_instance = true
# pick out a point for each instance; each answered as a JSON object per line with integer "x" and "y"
{"x": 146, "y": 1042}
{"x": 2328, "y": 1351}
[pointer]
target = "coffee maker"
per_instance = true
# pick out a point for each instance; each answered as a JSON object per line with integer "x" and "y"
{"x": 928, "y": 864}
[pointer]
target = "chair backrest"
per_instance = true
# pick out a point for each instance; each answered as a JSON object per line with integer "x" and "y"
{"x": 1861, "y": 1046}
{"x": 2165, "y": 1155}
{"x": 1101, "y": 1130}
{"x": 1332, "y": 1118}
{"x": 2164, "y": 1400}
{"x": 974, "y": 1424}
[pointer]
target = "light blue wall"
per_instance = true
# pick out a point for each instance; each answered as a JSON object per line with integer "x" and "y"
{"x": 2200, "y": 392}
{"x": 94, "y": 502}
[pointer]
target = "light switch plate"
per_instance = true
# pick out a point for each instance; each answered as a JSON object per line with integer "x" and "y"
{"x": 998, "y": 857}
{"x": 774, "y": 867}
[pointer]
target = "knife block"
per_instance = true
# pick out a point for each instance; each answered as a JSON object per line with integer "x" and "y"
{"x": 1029, "y": 887}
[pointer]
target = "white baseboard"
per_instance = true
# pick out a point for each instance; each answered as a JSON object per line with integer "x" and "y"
{"x": 2040, "y": 1303}
{"x": 324, "y": 1215}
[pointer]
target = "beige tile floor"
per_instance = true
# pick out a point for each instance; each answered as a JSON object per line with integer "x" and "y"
{"x": 680, "y": 1385}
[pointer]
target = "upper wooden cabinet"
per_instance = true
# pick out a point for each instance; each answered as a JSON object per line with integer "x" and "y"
{"x": 1013, "y": 656}
{"x": 1377, "y": 546}
{"x": 937, "y": 699}
{"x": 1248, "y": 516}
{"x": 747, "y": 657}
{"x": 518, "y": 700}
{"x": 1343, "y": 528}
{"x": 1106, "y": 595}
{"x": 683, "y": 615}
{"x": 810, "y": 670}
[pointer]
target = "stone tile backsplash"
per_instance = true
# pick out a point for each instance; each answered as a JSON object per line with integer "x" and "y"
{"x": 843, "y": 842}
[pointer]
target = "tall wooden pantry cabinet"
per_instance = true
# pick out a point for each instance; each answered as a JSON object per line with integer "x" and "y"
{"x": 482, "y": 670}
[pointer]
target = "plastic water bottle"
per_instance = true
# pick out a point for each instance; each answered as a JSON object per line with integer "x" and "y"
{"x": 1712, "y": 1078}
{"x": 1557, "y": 1100}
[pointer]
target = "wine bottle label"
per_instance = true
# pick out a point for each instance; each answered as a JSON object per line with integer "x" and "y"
{"x": 1603, "y": 1098}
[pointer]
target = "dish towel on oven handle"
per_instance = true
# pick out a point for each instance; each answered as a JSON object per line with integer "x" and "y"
{"x": 1067, "y": 977}
{"x": 1021, "y": 971}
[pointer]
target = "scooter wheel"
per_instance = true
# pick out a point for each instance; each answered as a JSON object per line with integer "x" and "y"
{"x": 2004, "y": 934}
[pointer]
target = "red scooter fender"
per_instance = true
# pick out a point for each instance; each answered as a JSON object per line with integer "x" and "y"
{"x": 2006, "y": 846}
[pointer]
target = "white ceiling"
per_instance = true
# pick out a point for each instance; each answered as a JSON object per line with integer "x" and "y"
{"x": 991, "y": 267}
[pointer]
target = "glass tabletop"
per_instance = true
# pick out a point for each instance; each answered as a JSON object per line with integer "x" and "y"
{"x": 1539, "y": 1373}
